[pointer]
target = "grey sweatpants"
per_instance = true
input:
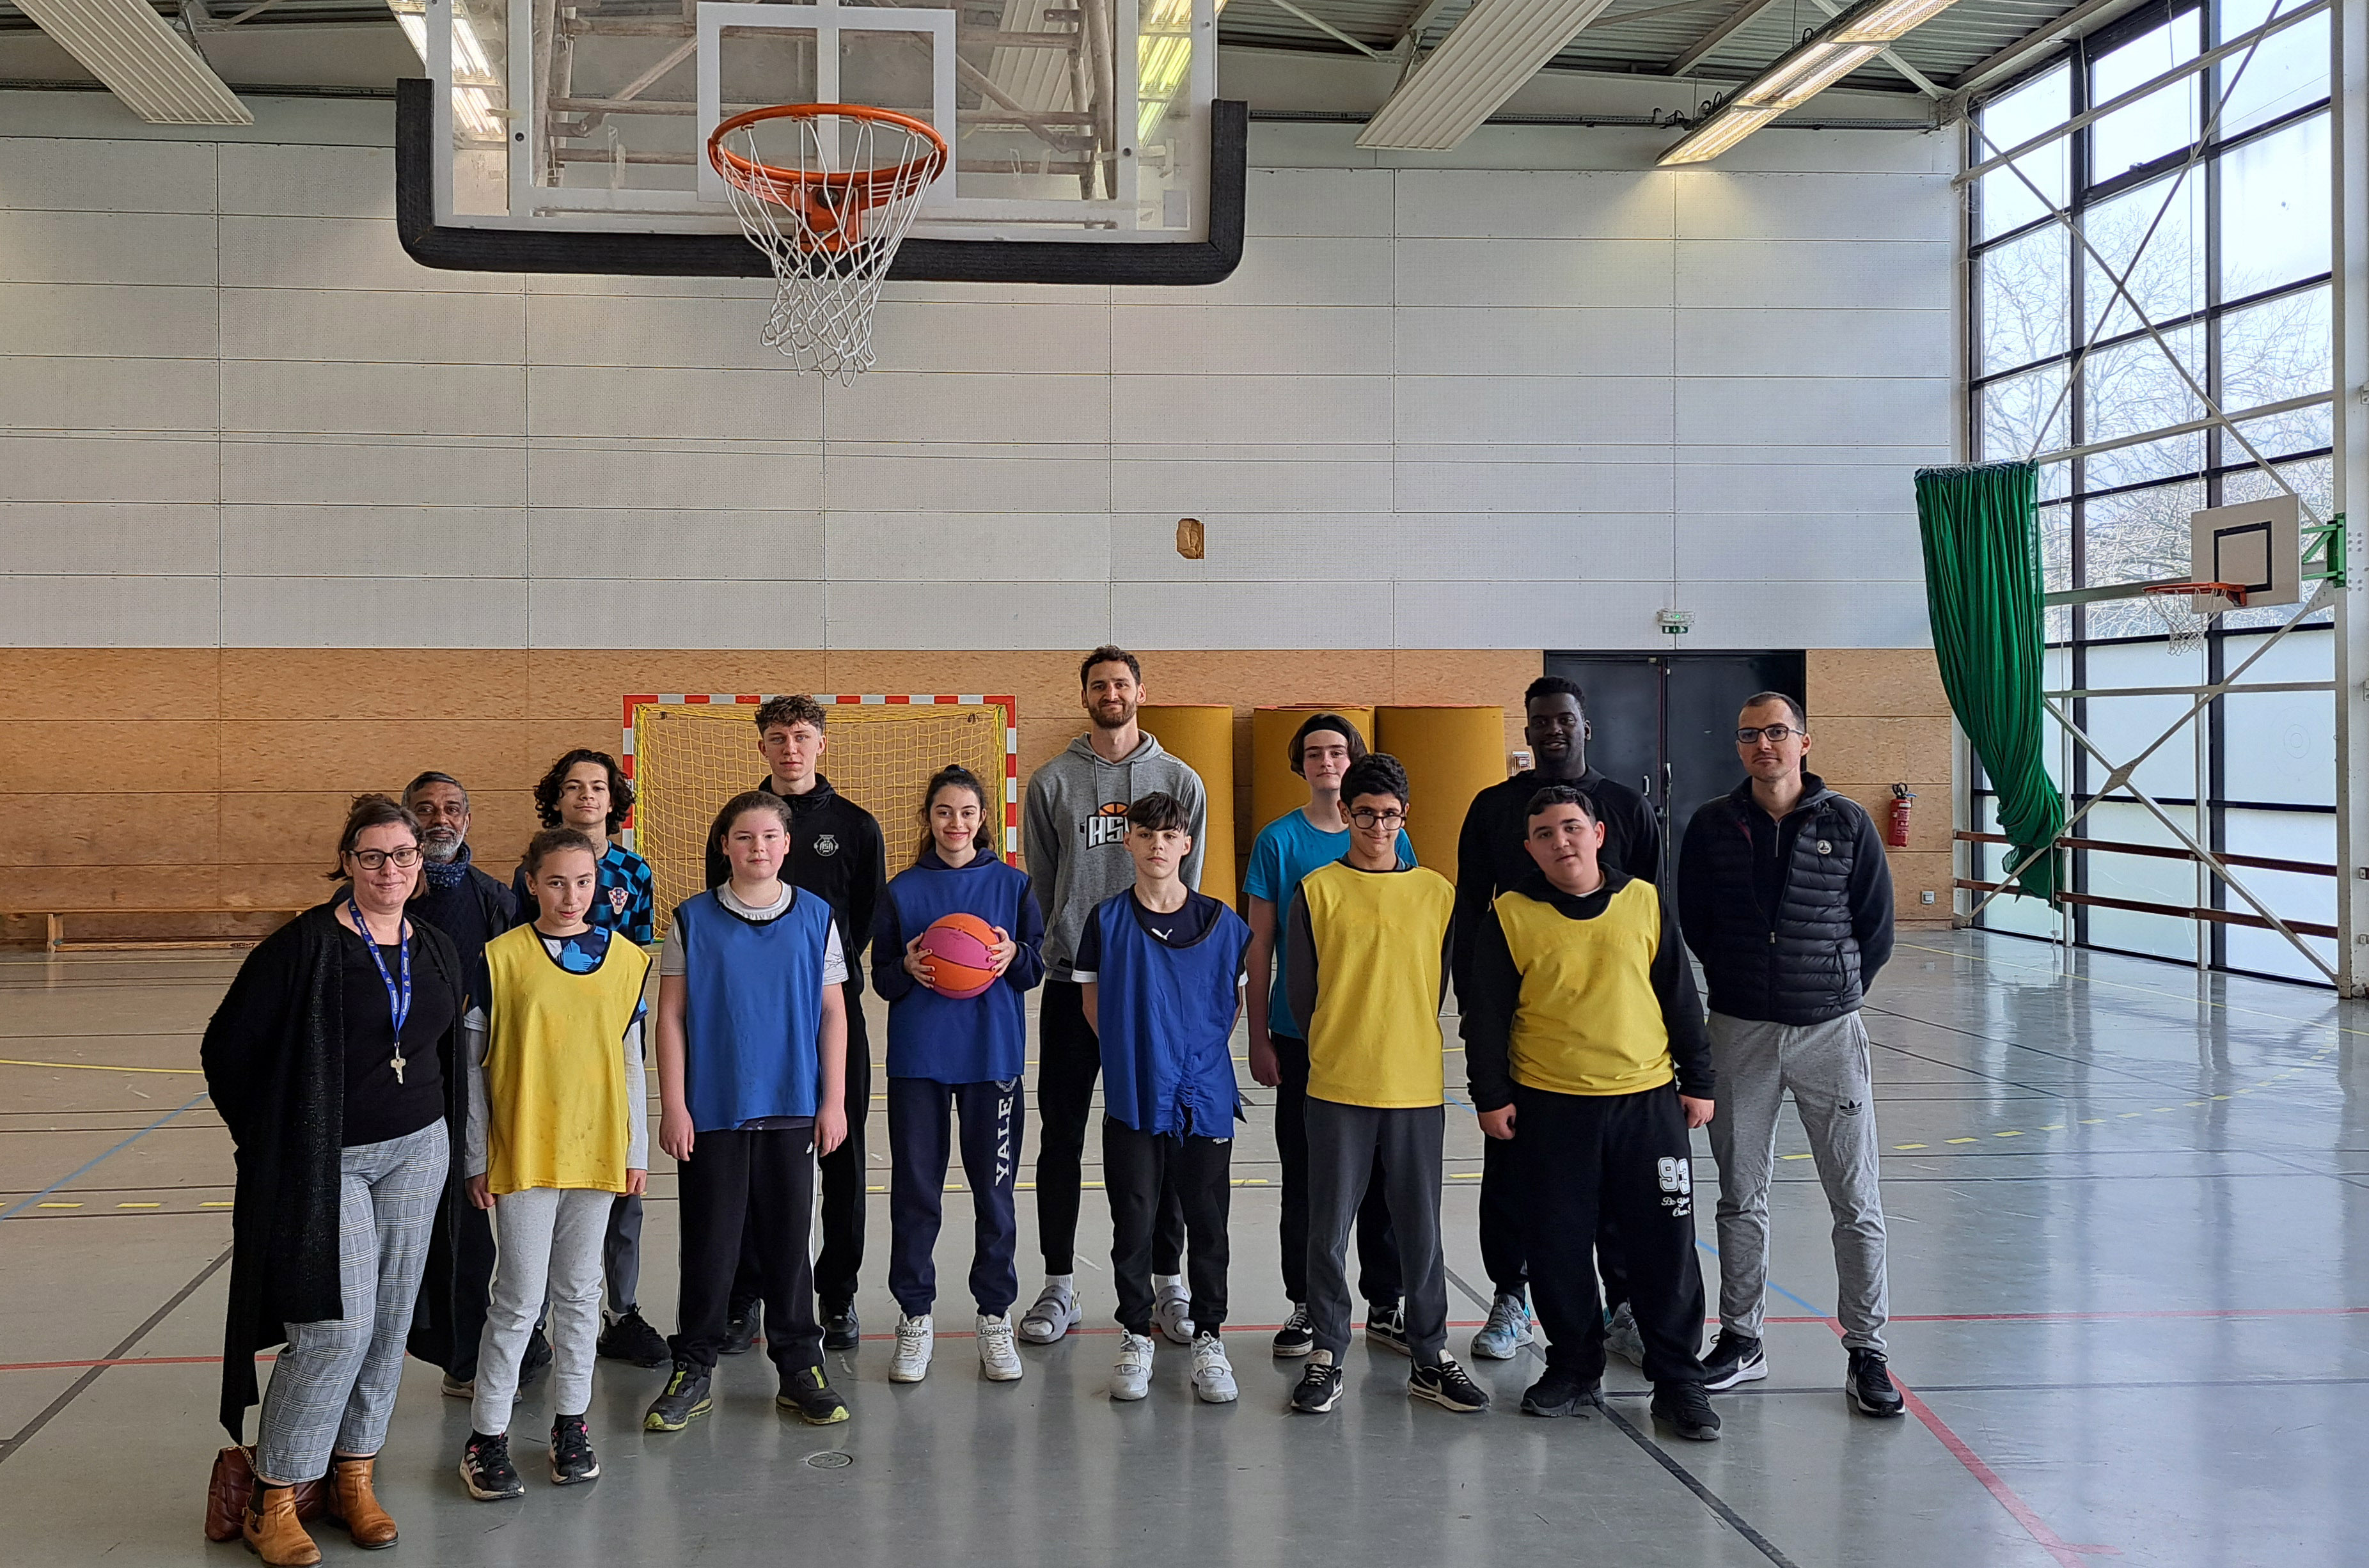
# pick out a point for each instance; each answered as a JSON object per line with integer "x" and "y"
{"x": 1343, "y": 1141}
{"x": 550, "y": 1250}
{"x": 1825, "y": 1067}
{"x": 335, "y": 1384}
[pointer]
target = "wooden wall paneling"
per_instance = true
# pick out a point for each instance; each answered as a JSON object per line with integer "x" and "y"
{"x": 373, "y": 683}
{"x": 107, "y": 683}
{"x": 109, "y": 829}
{"x": 50, "y": 756}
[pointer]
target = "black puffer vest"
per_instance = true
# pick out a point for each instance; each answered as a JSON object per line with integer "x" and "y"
{"x": 1796, "y": 964}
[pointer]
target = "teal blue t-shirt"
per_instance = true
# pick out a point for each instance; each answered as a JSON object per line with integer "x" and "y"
{"x": 1289, "y": 848}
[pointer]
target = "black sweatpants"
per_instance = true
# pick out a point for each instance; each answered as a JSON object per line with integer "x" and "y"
{"x": 843, "y": 1177}
{"x": 921, "y": 1117}
{"x": 1505, "y": 1249}
{"x": 1378, "y": 1245}
{"x": 1614, "y": 1171}
{"x": 1144, "y": 1173}
{"x": 760, "y": 1186}
{"x": 1069, "y": 1061}
{"x": 1343, "y": 1144}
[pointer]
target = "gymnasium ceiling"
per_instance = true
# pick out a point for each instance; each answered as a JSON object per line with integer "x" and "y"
{"x": 355, "y": 43}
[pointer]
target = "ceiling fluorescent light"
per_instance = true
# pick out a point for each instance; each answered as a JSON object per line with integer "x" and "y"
{"x": 1888, "y": 19}
{"x": 1802, "y": 86}
{"x": 142, "y": 60}
{"x": 1779, "y": 78}
{"x": 1489, "y": 55}
{"x": 1717, "y": 135}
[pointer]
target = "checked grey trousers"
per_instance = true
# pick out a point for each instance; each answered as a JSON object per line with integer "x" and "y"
{"x": 333, "y": 1386}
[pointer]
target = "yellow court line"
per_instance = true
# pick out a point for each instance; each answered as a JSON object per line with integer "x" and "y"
{"x": 213, "y": 1205}
{"x": 86, "y": 1067}
{"x": 139, "y": 1205}
{"x": 57, "y": 1206}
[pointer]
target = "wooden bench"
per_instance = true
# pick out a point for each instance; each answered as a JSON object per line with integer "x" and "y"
{"x": 58, "y": 941}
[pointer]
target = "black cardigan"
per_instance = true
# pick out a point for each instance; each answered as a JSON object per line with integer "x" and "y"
{"x": 275, "y": 1064}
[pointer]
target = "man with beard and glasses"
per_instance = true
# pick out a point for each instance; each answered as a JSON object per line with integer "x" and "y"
{"x": 472, "y": 909}
{"x": 1075, "y": 832}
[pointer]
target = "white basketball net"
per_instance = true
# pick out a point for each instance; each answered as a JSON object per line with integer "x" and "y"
{"x": 829, "y": 207}
{"x": 2186, "y": 617}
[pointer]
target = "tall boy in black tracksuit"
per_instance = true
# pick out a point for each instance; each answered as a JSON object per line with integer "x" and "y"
{"x": 835, "y": 853}
{"x": 1587, "y": 1055}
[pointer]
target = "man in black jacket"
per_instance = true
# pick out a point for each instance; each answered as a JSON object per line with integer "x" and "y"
{"x": 837, "y": 853}
{"x": 1490, "y": 858}
{"x": 1785, "y": 895}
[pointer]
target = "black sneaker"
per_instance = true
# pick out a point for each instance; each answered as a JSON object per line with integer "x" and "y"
{"x": 1686, "y": 1410}
{"x": 1297, "y": 1335}
{"x": 1869, "y": 1385}
{"x": 1734, "y": 1359}
{"x": 632, "y": 1339}
{"x": 1446, "y": 1386}
{"x": 486, "y": 1470}
{"x": 842, "y": 1329}
{"x": 686, "y": 1396}
{"x": 805, "y": 1392}
{"x": 572, "y": 1459}
{"x": 1560, "y": 1392}
{"x": 740, "y": 1332}
{"x": 1386, "y": 1325}
{"x": 537, "y": 1359}
{"x": 1319, "y": 1389}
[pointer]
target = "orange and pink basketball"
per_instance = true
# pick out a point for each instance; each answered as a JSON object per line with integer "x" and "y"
{"x": 962, "y": 954}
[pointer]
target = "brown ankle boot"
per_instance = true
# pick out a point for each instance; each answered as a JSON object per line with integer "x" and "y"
{"x": 273, "y": 1532}
{"x": 354, "y": 1505}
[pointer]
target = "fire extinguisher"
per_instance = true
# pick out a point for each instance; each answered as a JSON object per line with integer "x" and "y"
{"x": 1895, "y": 832}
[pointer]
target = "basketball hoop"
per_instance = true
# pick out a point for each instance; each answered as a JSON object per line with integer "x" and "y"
{"x": 2186, "y": 610}
{"x": 827, "y": 191}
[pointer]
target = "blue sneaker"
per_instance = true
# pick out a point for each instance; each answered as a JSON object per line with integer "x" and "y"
{"x": 1507, "y": 1330}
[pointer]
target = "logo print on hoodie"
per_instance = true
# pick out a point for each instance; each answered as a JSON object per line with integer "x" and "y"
{"x": 1107, "y": 825}
{"x": 826, "y": 844}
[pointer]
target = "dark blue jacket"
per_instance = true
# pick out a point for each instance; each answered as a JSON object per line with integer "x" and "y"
{"x": 974, "y": 1040}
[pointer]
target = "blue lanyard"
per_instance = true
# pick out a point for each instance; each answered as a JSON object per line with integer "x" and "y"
{"x": 398, "y": 999}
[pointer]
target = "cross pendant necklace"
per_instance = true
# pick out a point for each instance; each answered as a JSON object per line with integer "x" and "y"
{"x": 397, "y": 1064}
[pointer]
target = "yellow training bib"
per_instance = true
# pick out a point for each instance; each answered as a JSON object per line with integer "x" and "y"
{"x": 1375, "y": 1039}
{"x": 1588, "y": 1022}
{"x": 556, "y": 1101}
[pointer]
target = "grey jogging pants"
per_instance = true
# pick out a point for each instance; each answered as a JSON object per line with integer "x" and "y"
{"x": 1825, "y": 1067}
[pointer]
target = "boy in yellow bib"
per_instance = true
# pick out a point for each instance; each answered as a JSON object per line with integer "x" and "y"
{"x": 559, "y": 1126}
{"x": 1367, "y": 971}
{"x": 1585, "y": 1049}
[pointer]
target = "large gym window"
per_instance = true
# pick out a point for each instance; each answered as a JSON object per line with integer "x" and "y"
{"x": 2208, "y": 198}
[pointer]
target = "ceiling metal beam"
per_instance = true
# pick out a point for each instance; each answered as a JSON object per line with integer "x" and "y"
{"x": 1891, "y": 57}
{"x": 2029, "y": 49}
{"x": 1737, "y": 21}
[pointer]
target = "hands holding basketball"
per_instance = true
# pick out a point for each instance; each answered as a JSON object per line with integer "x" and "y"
{"x": 960, "y": 956}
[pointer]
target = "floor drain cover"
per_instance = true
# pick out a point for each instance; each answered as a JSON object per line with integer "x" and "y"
{"x": 830, "y": 1458}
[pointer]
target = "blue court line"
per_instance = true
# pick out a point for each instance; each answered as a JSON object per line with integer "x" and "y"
{"x": 1808, "y": 1307}
{"x": 27, "y": 1203}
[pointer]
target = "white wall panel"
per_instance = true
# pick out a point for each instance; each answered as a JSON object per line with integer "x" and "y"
{"x": 274, "y": 179}
{"x": 177, "y": 539}
{"x": 1491, "y": 546}
{"x": 60, "y": 173}
{"x": 1042, "y": 339}
{"x": 1755, "y": 614}
{"x": 113, "y": 610}
{"x": 336, "y": 253}
{"x": 1317, "y": 547}
{"x": 565, "y": 400}
{"x": 1002, "y": 479}
{"x": 1829, "y": 411}
{"x": 1274, "y": 479}
{"x": 983, "y": 614}
{"x": 891, "y": 405}
{"x": 372, "y": 325}
{"x": 87, "y": 468}
{"x": 144, "y": 320}
{"x": 1219, "y": 341}
{"x": 1479, "y": 480}
{"x": 1314, "y": 271}
{"x": 1815, "y": 342}
{"x": 1534, "y": 204}
{"x": 1259, "y": 410}
{"x": 418, "y": 472}
{"x": 889, "y": 547}
{"x": 1747, "y": 480}
{"x": 63, "y": 394}
{"x": 1515, "y": 340}
{"x": 1713, "y": 204}
{"x": 1309, "y": 204}
{"x": 1714, "y": 547}
{"x": 414, "y": 612}
{"x": 1814, "y": 274}
{"x": 1630, "y": 272}
{"x": 1535, "y": 409}
{"x": 295, "y": 396}
{"x": 1248, "y": 615}
{"x": 1600, "y": 615}
{"x": 373, "y": 541}
{"x": 105, "y": 247}
{"x": 650, "y": 544}
{"x": 686, "y": 613}
{"x": 575, "y": 475}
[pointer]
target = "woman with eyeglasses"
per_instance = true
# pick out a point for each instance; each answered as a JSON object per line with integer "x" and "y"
{"x": 332, "y": 1060}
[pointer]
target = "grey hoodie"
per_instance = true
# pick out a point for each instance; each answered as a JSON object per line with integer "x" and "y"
{"x": 1074, "y": 833}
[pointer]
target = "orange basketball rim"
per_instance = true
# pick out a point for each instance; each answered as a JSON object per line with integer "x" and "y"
{"x": 830, "y": 203}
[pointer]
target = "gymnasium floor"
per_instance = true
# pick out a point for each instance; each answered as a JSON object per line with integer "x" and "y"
{"x": 2131, "y": 1274}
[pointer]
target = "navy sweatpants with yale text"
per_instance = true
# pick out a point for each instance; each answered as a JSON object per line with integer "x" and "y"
{"x": 922, "y": 1117}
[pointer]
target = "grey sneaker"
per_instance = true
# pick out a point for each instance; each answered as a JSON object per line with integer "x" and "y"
{"x": 1507, "y": 1330}
{"x": 1213, "y": 1375}
{"x": 916, "y": 1337}
{"x": 1171, "y": 1313}
{"x": 1131, "y": 1378}
{"x": 999, "y": 1358}
{"x": 1621, "y": 1338}
{"x": 1054, "y": 1315}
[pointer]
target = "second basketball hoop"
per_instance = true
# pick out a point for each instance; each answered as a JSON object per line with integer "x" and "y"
{"x": 827, "y": 191}
{"x": 2186, "y": 610}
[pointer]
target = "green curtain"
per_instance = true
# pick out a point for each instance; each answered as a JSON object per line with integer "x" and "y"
{"x": 1983, "y": 582}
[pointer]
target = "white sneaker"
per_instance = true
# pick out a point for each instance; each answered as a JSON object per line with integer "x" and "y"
{"x": 916, "y": 1337}
{"x": 1171, "y": 1313}
{"x": 1055, "y": 1314}
{"x": 1131, "y": 1379}
{"x": 998, "y": 1356}
{"x": 1213, "y": 1375}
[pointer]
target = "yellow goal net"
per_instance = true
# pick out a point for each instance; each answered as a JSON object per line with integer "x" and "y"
{"x": 689, "y": 754}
